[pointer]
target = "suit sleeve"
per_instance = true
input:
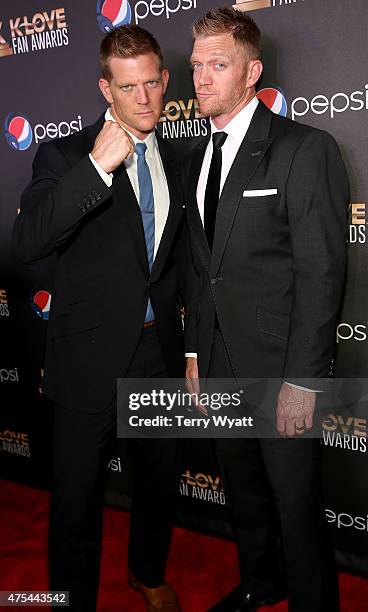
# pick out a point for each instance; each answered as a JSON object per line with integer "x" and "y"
{"x": 190, "y": 275}
{"x": 317, "y": 195}
{"x": 55, "y": 203}
{"x": 192, "y": 297}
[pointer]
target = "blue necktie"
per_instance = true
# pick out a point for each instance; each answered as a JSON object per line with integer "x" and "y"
{"x": 147, "y": 210}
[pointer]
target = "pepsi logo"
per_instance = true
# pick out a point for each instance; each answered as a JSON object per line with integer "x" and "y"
{"x": 41, "y": 304}
{"x": 274, "y": 99}
{"x": 18, "y": 132}
{"x": 112, "y": 14}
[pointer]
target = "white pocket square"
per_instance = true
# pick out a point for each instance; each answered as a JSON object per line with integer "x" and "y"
{"x": 259, "y": 192}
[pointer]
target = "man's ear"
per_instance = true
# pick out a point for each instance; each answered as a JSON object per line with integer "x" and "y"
{"x": 254, "y": 71}
{"x": 165, "y": 78}
{"x": 104, "y": 86}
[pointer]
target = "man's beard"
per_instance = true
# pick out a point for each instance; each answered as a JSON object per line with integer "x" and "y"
{"x": 214, "y": 107}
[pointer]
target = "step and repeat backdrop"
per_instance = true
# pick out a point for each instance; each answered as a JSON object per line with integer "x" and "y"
{"x": 315, "y": 72}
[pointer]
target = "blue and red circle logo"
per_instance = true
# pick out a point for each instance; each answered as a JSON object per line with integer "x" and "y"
{"x": 112, "y": 14}
{"x": 274, "y": 99}
{"x": 18, "y": 132}
{"x": 40, "y": 303}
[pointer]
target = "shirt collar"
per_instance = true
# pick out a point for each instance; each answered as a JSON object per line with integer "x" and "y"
{"x": 238, "y": 126}
{"x": 150, "y": 141}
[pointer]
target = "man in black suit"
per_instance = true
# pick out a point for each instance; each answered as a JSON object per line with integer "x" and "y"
{"x": 107, "y": 201}
{"x": 266, "y": 202}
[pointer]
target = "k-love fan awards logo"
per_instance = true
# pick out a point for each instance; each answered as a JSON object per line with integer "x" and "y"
{"x": 114, "y": 13}
{"x": 38, "y": 32}
{"x": 182, "y": 119}
{"x": 4, "y": 306}
{"x": 253, "y": 5}
{"x": 203, "y": 487}
{"x": 357, "y": 232}
{"x": 15, "y": 443}
{"x": 346, "y": 432}
{"x": 20, "y": 134}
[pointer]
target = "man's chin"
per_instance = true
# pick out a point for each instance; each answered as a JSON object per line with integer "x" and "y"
{"x": 207, "y": 108}
{"x": 204, "y": 108}
{"x": 147, "y": 125}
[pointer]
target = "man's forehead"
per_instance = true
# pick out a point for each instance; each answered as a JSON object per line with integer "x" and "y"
{"x": 134, "y": 66}
{"x": 219, "y": 44}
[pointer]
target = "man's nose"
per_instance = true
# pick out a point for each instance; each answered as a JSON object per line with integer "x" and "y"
{"x": 141, "y": 94}
{"x": 204, "y": 76}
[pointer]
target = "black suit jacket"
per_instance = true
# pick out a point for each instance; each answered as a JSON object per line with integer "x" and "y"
{"x": 102, "y": 277}
{"x": 276, "y": 274}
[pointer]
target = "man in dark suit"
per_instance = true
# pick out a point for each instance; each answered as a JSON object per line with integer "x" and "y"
{"x": 108, "y": 202}
{"x": 266, "y": 203}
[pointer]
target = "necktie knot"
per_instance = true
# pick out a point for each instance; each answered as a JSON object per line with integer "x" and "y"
{"x": 218, "y": 139}
{"x": 140, "y": 149}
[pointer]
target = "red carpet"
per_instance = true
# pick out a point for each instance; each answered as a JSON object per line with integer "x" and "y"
{"x": 201, "y": 568}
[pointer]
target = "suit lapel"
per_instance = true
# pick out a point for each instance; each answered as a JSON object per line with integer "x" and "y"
{"x": 128, "y": 207}
{"x": 194, "y": 218}
{"x": 176, "y": 211}
{"x": 246, "y": 162}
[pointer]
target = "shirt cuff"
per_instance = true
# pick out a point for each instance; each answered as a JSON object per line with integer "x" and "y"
{"x": 191, "y": 355}
{"x": 107, "y": 178}
{"x": 303, "y": 388}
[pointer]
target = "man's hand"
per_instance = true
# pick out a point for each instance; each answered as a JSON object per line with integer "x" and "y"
{"x": 294, "y": 411}
{"x": 112, "y": 146}
{"x": 191, "y": 375}
{"x": 192, "y": 381}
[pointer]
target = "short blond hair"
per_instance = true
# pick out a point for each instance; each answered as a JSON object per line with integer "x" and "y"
{"x": 227, "y": 20}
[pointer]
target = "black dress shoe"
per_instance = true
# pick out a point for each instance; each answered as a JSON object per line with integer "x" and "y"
{"x": 240, "y": 601}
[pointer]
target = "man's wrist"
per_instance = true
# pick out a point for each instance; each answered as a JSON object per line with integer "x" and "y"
{"x": 107, "y": 178}
{"x": 302, "y": 388}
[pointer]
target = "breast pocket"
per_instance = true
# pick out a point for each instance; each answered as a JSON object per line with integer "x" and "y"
{"x": 260, "y": 201}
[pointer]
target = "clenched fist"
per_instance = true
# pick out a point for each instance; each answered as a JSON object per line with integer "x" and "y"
{"x": 112, "y": 146}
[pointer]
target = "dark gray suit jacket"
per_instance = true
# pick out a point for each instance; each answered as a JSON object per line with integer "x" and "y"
{"x": 276, "y": 274}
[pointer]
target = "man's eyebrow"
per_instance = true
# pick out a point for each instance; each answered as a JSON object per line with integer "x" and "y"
{"x": 214, "y": 55}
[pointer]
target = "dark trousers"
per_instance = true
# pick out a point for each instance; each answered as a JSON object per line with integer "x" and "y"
{"x": 264, "y": 475}
{"x": 81, "y": 447}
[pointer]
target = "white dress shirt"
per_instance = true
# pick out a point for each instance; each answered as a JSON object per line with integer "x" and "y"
{"x": 159, "y": 183}
{"x": 236, "y": 130}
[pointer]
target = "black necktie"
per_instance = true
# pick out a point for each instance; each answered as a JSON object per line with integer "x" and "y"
{"x": 213, "y": 187}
